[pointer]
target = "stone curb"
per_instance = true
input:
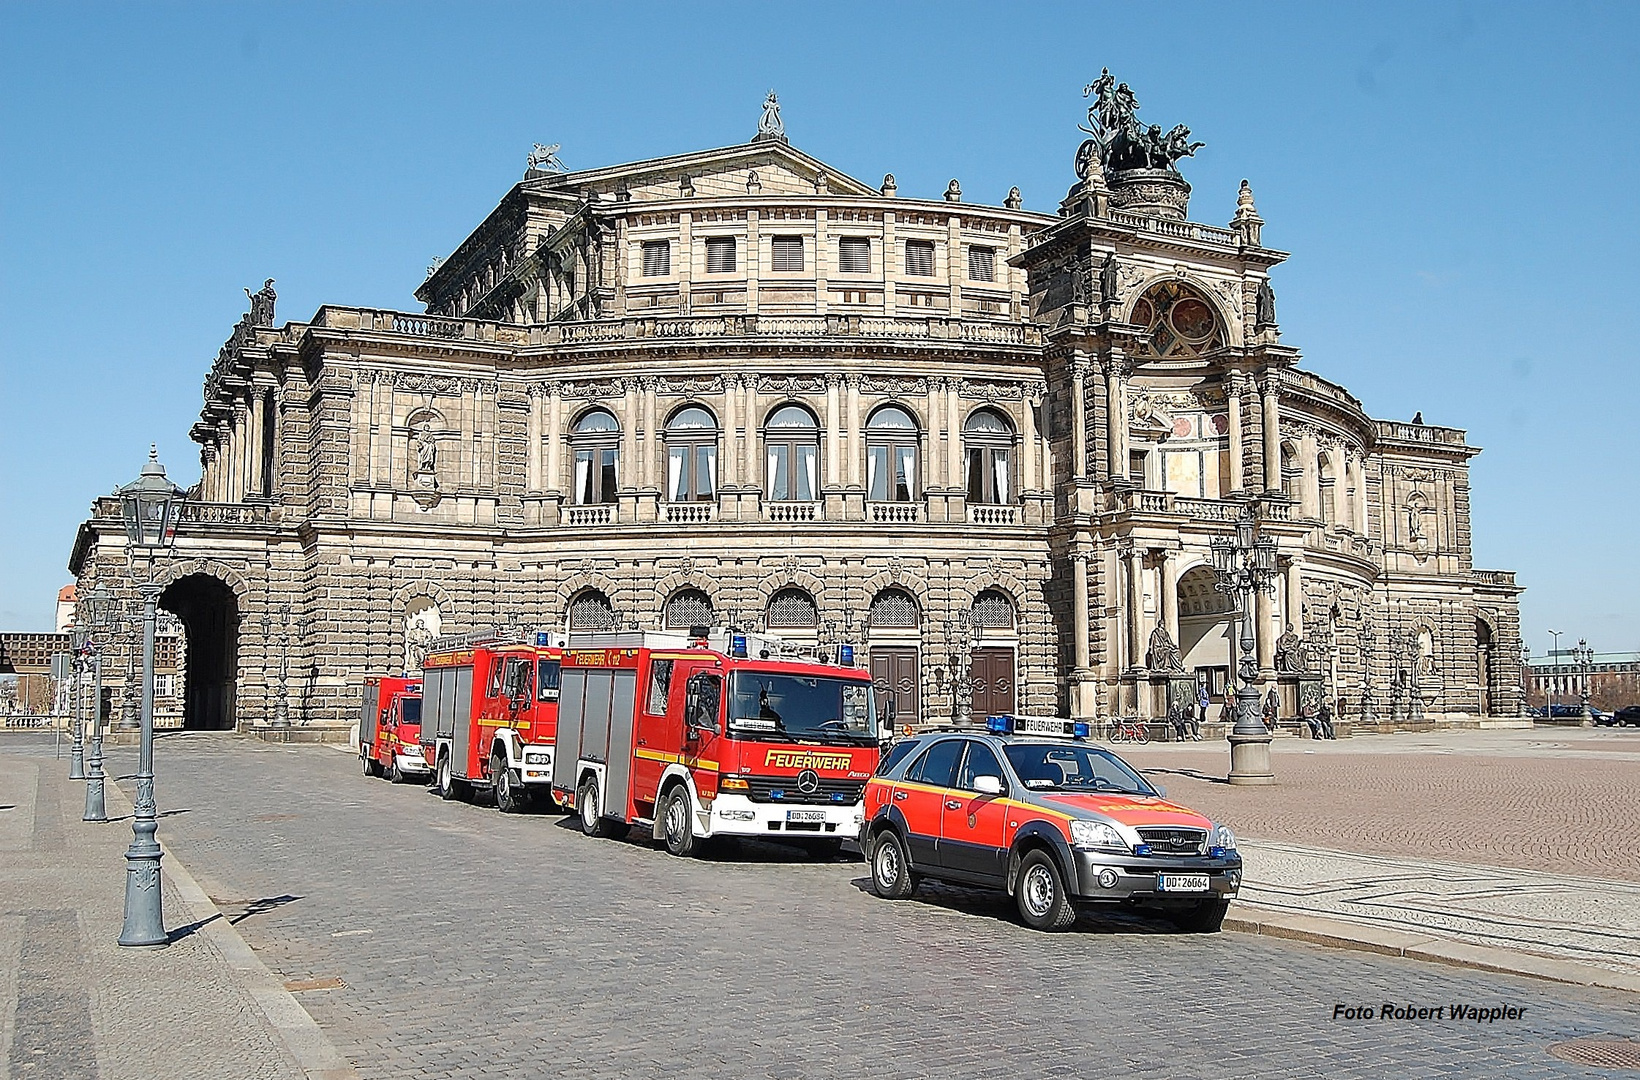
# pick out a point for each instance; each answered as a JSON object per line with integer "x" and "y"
{"x": 291, "y": 1024}
{"x": 1361, "y": 937}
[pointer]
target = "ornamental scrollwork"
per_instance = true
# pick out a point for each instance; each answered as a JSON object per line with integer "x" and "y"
{"x": 791, "y": 384}
{"x": 893, "y": 386}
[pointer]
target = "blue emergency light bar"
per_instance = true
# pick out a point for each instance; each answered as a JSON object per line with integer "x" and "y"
{"x": 737, "y": 646}
{"x": 542, "y": 639}
{"x": 1032, "y": 725}
{"x": 845, "y": 655}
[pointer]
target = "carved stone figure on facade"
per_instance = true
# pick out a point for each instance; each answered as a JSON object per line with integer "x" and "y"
{"x": 1265, "y": 304}
{"x": 262, "y": 299}
{"x": 1109, "y": 291}
{"x": 769, "y": 125}
{"x": 1163, "y": 654}
{"x": 1291, "y": 655}
{"x": 418, "y": 639}
{"x": 545, "y": 158}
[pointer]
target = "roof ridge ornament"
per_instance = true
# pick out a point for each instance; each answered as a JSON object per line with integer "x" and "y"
{"x": 545, "y": 159}
{"x": 770, "y": 128}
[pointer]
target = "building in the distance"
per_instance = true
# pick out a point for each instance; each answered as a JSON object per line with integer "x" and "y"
{"x": 1612, "y": 680}
{"x": 988, "y": 446}
{"x": 66, "y": 601}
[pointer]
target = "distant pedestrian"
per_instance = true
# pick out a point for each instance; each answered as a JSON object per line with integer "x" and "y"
{"x": 1203, "y": 702}
{"x": 1272, "y": 709}
{"x": 1323, "y": 718}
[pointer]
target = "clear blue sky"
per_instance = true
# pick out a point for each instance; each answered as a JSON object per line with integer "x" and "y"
{"x": 1457, "y": 184}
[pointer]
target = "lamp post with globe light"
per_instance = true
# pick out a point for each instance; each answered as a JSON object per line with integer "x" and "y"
{"x": 76, "y": 701}
{"x": 1245, "y": 563}
{"x": 1549, "y": 685}
{"x": 150, "y": 506}
{"x": 1583, "y": 656}
{"x": 99, "y": 615}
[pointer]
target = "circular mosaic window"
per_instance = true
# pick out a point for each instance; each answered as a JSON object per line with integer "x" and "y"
{"x": 1192, "y": 319}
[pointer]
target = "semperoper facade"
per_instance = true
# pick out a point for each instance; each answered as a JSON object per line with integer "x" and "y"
{"x": 987, "y": 447}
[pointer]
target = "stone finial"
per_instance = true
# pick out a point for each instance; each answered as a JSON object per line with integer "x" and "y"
{"x": 953, "y": 192}
{"x": 1246, "y": 224}
{"x": 754, "y": 186}
{"x": 686, "y": 186}
{"x": 889, "y": 188}
{"x": 1013, "y": 201}
{"x": 770, "y": 128}
{"x": 822, "y": 183}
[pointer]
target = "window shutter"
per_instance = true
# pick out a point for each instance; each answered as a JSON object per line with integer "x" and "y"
{"x": 720, "y": 255}
{"x": 919, "y": 258}
{"x": 788, "y": 254}
{"x": 982, "y": 264}
{"x": 657, "y": 258}
{"x": 854, "y": 255}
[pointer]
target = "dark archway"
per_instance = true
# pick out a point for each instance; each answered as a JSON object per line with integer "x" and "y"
{"x": 210, "y": 619}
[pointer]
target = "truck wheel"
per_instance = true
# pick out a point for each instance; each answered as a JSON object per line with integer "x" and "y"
{"x": 508, "y": 799}
{"x": 364, "y": 761}
{"x": 446, "y": 783}
{"x": 1205, "y": 918}
{"x": 589, "y": 805}
{"x": 890, "y": 870}
{"x": 395, "y": 775}
{"x": 1040, "y": 894}
{"x": 678, "y": 829}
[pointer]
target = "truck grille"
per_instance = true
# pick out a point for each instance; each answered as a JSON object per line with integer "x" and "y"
{"x": 1175, "y": 841}
{"x": 765, "y": 788}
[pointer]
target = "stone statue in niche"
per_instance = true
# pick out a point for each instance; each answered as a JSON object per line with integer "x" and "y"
{"x": 1265, "y": 304}
{"x": 1291, "y": 656}
{"x": 1163, "y": 654}
{"x": 1108, "y": 290}
{"x": 418, "y": 639}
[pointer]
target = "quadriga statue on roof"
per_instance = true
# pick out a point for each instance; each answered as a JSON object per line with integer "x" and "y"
{"x": 1119, "y": 141}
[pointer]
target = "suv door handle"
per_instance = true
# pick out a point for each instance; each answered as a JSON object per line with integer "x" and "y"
{"x": 953, "y": 804}
{"x": 899, "y": 795}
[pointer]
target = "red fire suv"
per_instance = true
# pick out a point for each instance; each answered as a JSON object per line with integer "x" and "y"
{"x": 1030, "y": 807}
{"x": 390, "y": 728}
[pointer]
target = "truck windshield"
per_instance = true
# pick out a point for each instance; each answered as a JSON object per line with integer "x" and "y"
{"x": 800, "y": 706}
{"x": 410, "y": 710}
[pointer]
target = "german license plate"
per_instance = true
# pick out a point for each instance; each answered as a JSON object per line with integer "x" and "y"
{"x": 1182, "y": 883}
{"x": 806, "y": 815}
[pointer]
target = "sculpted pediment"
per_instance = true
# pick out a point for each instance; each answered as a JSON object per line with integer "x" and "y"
{"x": 779, "y": 169}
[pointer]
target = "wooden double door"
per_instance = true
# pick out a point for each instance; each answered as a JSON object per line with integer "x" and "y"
{"x": 992, "y": 672}
{"x": 894, "y": 674}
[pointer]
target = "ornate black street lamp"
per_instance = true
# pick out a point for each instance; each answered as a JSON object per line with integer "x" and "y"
{"x": 151, "y": 504}
{"x": 76, "y": 750}
{"x": 1245, "y": 563}
{"x": 99, "y": 607}
{"x": 1583, "y": 655}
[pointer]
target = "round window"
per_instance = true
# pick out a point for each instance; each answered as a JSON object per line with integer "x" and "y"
{"x": 1192, "y": 319}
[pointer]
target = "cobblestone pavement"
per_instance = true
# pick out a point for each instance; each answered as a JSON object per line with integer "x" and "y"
{"x": 73, "y": 1004}
{"x": 447, "y": 940}
{"x": 1560, "y": 801}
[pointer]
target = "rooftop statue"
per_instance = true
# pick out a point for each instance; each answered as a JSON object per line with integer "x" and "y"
{"x": 545, "y": 158}
{"x": 1119, "y": 141}
{"x": 769, "y": 125}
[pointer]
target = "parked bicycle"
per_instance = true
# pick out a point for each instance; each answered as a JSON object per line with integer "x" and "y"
{"x": 1129, "y": 730}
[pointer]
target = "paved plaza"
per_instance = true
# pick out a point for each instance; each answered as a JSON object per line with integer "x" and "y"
{"x": 435, "y": 939}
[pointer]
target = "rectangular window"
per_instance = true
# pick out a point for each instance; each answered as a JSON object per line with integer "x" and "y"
{"x": 720, "y": 255}
{"x": 982, "y": 264}
{"x": 854, "y": 255}
{"x": 1137, "y": 460}
{"x": 788, "y": 254}
{"x": 657, "y": 258}
{"x": 660, "y": 685}
{"x": 919, "y": 258}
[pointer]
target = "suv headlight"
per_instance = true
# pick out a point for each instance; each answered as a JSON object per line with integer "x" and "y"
{"x": 1224, "y": 838}
{"x": 1096, "y": 834}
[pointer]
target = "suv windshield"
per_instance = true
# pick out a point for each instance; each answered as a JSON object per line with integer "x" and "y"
{"x": 1070, "y": 767}
{"x": 800, "y": 706}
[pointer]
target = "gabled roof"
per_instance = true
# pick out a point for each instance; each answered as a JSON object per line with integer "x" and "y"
{"x": 768, "y": 154}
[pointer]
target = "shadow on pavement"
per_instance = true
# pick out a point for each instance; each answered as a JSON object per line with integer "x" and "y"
{"x": 262, "y": 906}
{"x": 1193, "y": 774}
{"x": 987, "y": 903}
{"x": 177, "y": 933}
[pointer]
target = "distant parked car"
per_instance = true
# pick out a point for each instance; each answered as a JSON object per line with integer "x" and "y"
{"x": 1628, "y": 714}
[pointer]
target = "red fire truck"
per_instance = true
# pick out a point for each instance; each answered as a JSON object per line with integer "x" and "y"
{"x": 491, "y": 715}
{"x": 689, "y": 736}
{"x": 390, "y": 728}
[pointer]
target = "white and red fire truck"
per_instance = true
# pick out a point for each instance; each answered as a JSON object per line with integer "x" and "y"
{"x": 694, "y": 738}
{"x": 489, "y": 718}
{"x": 390, "y": 727}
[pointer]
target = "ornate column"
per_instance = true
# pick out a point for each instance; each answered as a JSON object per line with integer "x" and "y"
{"x": 1234, "y": 385}
{"x": 1029, "y": 400}
{"x": 240, "y": 424}
{"x": 532, "y": 449}
{"x": 1170, "y": 594}
{"x": 1272, "y": 432}
{"x": 629, "y": 435}
{"x": 953, "y": 424}
{"x": 651, "y": 436}
{"x": 1135, "y": 558}
{"x": 1079, "y": 417}
{"x": 731, "y": 432}
{"x": 1263, "y": 615}
{"x": 1295, "y": 595}
{"x": 384, "y": 431}
{"x": 754, "y": 470}
{"x": 934, "y": 463}
{"x": 855, "y": 453}
{"x": 554, "y": 436}
{"x": 834, "y": 429}
{"x": 1115, "y": 422}
{"x": 1079, "y": 704}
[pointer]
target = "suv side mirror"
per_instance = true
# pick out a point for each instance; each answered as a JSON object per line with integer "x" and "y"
{"x": 988, "y": 785}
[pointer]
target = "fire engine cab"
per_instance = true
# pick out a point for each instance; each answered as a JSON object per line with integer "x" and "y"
{"x": 491, "y": 717}
{"x": 390, "y": 728}
{"x": 712, "y": 735}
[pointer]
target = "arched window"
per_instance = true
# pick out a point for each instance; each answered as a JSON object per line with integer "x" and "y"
{"x": 596, "y": 439}
{"x": 988, "y": 441}
{"x": 1179, "y": 323}
{"x": 688, "y": 607}
{"x": 894, "y": 609}
{"x": 891, "y": 456}
{"x": 1327, "y": 481}
{"x": 691, "y": 455}
{"x": 792, "y": 609}
{"x": 591, "y": 610}
{"x": 1291, "y": 471}
{"x": 993, "y": 610}
{"x": 792, "y": 441}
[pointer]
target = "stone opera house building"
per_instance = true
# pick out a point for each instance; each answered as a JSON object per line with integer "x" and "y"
{"x": 985, "y": 446}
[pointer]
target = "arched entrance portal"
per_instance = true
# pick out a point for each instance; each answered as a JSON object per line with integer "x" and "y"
{"x": 1205, "y": 627}
{"x": 210, "y": 619}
